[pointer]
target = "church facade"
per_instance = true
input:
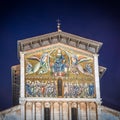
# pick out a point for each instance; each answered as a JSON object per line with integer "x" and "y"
{"x": 59, "y": 79}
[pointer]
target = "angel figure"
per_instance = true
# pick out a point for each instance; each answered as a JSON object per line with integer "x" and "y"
{"x": 76, "y": 68}
{"x": 41, "y": 66}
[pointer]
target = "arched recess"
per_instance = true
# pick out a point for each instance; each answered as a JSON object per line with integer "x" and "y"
{"x": 56, "y": 111}
{"x": 65, "y": 111}
{"x": 38, "y": 111}
{"x": 74, "y": 112}
{"x": 47, "y": 112}
{"x": 83, "y": 111}
{"x": 29, "y": 111}
{"x": 93, "y": 111}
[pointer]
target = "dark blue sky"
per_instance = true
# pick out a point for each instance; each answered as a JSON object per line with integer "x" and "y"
{"x": 99, "y": 21}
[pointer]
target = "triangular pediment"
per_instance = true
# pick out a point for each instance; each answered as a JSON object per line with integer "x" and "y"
{"x": 57, "y": 60}
{"x": 59, "y": 37}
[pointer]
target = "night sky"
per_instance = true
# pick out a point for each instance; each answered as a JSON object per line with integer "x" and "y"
{"x": 99, "y": 21}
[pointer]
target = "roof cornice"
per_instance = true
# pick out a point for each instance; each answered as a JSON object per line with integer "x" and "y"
{"x": 62, "y": 37}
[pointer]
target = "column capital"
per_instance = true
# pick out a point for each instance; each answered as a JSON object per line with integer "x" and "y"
{"x": 70, "y": 103}
{"x": 99, "y": 103}
{"x": 22, "y": 100}
{"x": 33, "y": 102}
{"x": 60, "y": 103}
{"x": 51, "y": 103}
{"x": 43, "y": 102}
{"x": 96, "y": 55}
{"x": 78, "y": 104}
{"x": 88, "y": 103}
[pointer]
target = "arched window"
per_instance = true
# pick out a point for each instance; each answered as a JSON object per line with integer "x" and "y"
{"x": 59, "y": 86}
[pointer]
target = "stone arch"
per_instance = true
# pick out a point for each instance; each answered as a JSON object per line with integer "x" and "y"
{"x": 74, "y": 105}
{"x": 74, "y": 111}
{"x": 47, "y": 111}
{"x": 47, "y": 105}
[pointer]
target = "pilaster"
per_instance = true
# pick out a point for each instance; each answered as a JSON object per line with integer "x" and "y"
{"x": 97, "y": 81}
{"x": 78, "y": 111}
{"x": 60, "y": 110}
{"x": 22, "y": 76}
{"x": 33, "y": 107}
{"x": 42, "y": 110}
{"x": 22, "y": 88}
{"x": 69, "y": 107}
{"x": 52, "y": 110}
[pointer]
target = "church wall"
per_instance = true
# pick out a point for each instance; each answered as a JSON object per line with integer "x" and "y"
{"x": 58, "y": 71}
{"x": 86, "y": 111}
{"x": 59, "y": 81}
{"x": 61, "y": 110}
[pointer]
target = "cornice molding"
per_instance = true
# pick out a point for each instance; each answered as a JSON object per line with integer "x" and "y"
{"x": 59, "y": 37}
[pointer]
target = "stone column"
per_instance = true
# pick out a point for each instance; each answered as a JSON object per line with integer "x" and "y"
{"x": 78, "y": 111}
{"x": 60, "y": 110}
{"x": 33, "y": 107}
{"x": 52, "y": 110}
{"x": 70, "y": 103}
{"x": 42, "y": 110}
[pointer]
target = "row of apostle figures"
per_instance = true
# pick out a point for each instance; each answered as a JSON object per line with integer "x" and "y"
{"x": 59, "y": 88}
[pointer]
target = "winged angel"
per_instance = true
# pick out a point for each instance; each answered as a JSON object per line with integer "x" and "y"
{"x": 76, "y": 68}
{"x": 42, "y": 65}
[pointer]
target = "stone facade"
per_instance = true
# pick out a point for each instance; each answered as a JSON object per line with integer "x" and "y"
{"x": 59, "y": 80}
{"x": 60, "y": 111}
